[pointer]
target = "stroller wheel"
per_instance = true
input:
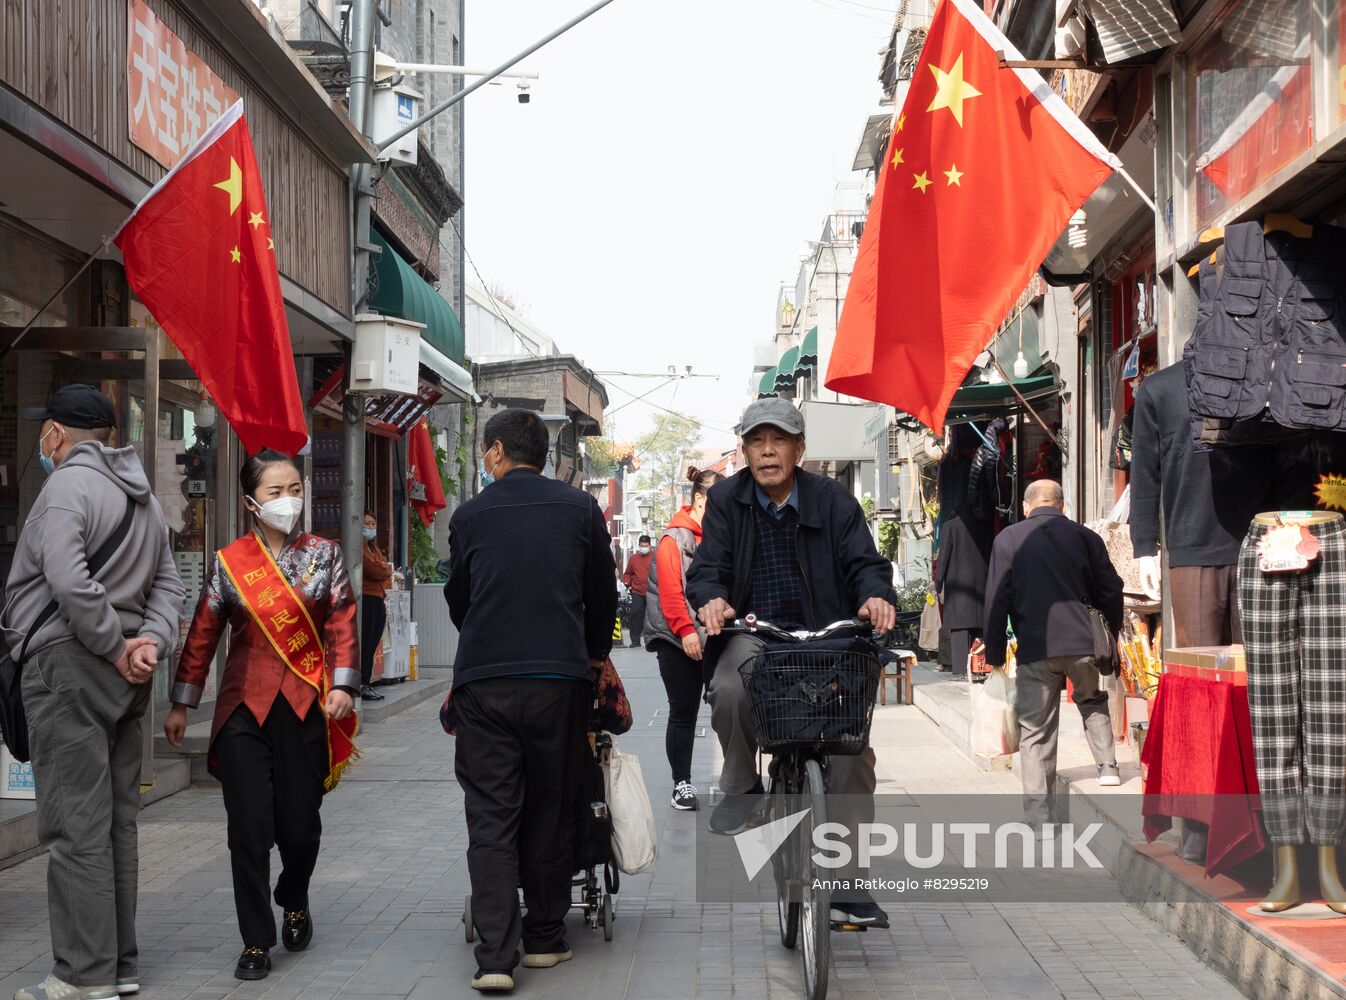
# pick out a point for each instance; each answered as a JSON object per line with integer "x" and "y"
{"x": 605, "y": 917}
{"x": 469, "y": 930}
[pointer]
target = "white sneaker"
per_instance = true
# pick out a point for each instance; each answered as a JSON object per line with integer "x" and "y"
{"x": 1109, "y": 776}
{"x": 52, "y": 988}
{"x": 128, "y": 985}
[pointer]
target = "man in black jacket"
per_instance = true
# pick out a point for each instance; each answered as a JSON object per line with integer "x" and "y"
{"x": 532, "y": 589}
{"x": 1043, "y": 571}
{"x": 793, "y": 548}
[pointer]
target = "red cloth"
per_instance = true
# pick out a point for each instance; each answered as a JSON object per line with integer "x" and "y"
{"x": 199, "y": 254}
{"x": 672, "y": 596}
{"x": 983, "y": 171}
{"x": 637, "y": 575}
{"x": 1199, "y": 756}
{"x": 423, "y": 482}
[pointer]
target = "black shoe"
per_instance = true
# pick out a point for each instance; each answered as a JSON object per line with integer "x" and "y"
{"x": 732, "y": 815}
{"x": 297, "y": 931}
{"x": 860, "y": 913}
{"x": 254, "y": 963}
{"x": 684, "y": 796}
{"x": 369, "y": 694}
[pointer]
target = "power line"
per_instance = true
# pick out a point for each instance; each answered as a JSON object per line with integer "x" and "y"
{"x": 495, "y": 306}
{"x": 657, "y": 406}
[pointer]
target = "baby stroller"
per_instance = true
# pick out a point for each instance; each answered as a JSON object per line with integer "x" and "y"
{"x": 592, "y": 846}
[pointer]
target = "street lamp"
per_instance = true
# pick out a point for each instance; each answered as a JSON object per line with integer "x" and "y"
{"x": 596, "y": 488}
{"x": 646, "y": 508}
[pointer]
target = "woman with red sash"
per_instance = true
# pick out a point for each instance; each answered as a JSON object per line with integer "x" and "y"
{"x": 283, "y": 726}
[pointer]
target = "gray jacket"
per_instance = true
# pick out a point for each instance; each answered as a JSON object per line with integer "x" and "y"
{"x": 138, "y": 592}
{"x": 656, "y": 626}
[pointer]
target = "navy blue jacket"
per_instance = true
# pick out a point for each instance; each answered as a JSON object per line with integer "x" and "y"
{"x": 842, "y": 569}
{"x": 532, "y": 585}
{"x": 1042, "y": 587}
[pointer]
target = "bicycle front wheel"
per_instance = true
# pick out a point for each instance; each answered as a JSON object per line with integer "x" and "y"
{"x": 815, "y": 916}
{"x": 787, "y": 880}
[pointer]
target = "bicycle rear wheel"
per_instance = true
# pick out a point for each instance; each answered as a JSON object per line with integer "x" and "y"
{"x": 816, "y": 905}
{"x": 784, "y": 785}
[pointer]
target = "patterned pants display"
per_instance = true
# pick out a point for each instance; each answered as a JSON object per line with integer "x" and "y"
{"x": 1294, "y": 629}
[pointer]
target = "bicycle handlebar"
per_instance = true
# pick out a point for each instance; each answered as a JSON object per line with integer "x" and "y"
{"x": 752, "y": 625}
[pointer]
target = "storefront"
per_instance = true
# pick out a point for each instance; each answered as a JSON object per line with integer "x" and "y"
{"x": 70, "y": 180}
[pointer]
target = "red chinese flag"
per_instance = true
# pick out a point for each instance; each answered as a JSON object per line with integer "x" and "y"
{"x": 983, "y": 171}
{"x": 199, "y": 254}
{"x": 423, "y": 482}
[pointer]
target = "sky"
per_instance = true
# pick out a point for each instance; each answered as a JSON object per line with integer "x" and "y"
{"x": 673, "y": 162}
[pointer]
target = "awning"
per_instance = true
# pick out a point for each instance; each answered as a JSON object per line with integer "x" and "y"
{"x": 996, "y": 399}
{"x": 873, "y": 140}
{"x": 808, "y": 350}
{"x": 1131, "y": 28}
{"x": 455, "y": 377}
{"x": 1107, "y": 212}
{"x": 387, "y": 416}
{"x": 786, "y": 370}
{"x": 403, "y": 292}
{"x": 767, "y": 387}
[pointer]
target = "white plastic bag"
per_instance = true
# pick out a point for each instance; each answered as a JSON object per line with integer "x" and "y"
{"x": 634, "y": 838}
{"x": 995, "y": 721}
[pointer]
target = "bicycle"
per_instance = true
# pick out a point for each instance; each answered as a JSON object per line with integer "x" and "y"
{"x": 807, "y": 706}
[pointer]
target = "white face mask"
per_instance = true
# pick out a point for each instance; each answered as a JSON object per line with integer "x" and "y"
{"x": 281, "y": 513}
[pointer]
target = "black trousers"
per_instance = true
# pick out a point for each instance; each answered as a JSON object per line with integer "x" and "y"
{"x": 683, "y": 683}
{"x": 637, "y": 617}
{"x": 272, "y": 776}
{"x": 373, "y": 617}
{"x": 517, "y": 758}
{"x": 961, "y": 640}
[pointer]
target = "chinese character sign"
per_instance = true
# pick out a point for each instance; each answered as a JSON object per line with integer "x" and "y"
{"x": 172, "y": 95}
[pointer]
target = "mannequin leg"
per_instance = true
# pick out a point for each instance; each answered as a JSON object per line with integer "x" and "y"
{"x": 1284, "y": 893}
{"x": 1329, "y": 878}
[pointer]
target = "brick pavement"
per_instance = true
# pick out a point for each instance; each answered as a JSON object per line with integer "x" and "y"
{"x": 389, "y": 888}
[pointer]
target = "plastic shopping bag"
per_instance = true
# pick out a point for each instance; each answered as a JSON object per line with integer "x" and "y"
{"x": 995, "y": 722}
{"x": 634, "y": 838}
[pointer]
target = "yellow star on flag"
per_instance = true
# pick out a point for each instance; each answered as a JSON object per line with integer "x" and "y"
{"x": 901, "y": 120}
{"x": 255, "y": 219}
{"x": 922, "y": 181}
{"x": 270, "y": 243}
{"x": 235, "y": 256}
{"x": 953, "y": 89}
{"x": 897, "y": 158}
{"x": 233, "y": 185}
{"x": 954, "y": 174}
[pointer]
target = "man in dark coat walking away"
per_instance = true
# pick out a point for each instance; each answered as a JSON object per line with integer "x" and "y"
{"x": 1043, "y": 572}
{"x": 794, "y": 549}
{"x": 523, "y": 687}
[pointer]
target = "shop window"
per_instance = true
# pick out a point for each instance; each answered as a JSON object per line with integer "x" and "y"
{"x": 1250, "y": 100}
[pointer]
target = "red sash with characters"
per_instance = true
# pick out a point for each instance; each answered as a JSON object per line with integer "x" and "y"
{"x": 278, "y": 611}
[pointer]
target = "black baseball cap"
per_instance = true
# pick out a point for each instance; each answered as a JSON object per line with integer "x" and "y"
{"x": 76, "y": 405}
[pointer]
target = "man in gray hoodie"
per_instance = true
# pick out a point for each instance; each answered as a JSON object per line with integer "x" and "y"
{"x": 86, "y": 682}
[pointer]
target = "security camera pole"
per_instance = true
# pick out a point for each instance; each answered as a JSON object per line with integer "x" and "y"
{"x": 362, "y": 17}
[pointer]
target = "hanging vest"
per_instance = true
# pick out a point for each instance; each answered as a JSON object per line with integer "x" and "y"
{"x": 1273, "y": 342}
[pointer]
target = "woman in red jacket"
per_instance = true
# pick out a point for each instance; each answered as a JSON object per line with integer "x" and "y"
{"x": 675, "y": 636}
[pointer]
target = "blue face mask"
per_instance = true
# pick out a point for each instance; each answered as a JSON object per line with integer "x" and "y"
{"x": 487, "y": 477}
{"x": 644, "y": 550}
{"x": 371, "y": 534}
{"x": 48, "y": 462}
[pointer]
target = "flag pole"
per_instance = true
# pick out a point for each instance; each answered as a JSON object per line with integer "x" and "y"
{"x": 1026, "y": 405}
{"x": 4, "y": 351}
{"x": 1140, "y": 191}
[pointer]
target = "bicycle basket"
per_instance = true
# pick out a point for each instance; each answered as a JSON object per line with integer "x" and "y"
{"x": 822, "y": 700}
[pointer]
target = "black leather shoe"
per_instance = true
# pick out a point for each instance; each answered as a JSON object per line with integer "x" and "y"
{"x": 297, "y": 931}
{"x": 369, "y": 694}
{"x": 254, "y": 963}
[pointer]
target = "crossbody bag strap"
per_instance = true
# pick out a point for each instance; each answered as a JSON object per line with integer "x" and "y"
{"x": 1084, "y": 599}
{"x": 95, "y": 563}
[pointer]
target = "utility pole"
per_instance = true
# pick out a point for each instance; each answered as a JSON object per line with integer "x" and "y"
{"x": 362, "y": 15}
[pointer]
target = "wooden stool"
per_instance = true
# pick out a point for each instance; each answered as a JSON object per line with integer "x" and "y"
{"x": 900, "y": 671}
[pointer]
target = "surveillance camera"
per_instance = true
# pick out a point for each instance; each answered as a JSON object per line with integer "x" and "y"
{"x": 524, "y": 96}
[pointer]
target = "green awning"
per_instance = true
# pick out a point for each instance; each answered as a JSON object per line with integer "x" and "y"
{"x": 767, "y": 387}
{"x": 402, "y": 292}
{"x": 996, "y": 399}
{"x": 808, "y": 350}
{"x": 787, "y": 369}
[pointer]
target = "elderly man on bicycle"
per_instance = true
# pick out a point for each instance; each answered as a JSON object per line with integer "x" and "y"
{"x": 792, "y": 548}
